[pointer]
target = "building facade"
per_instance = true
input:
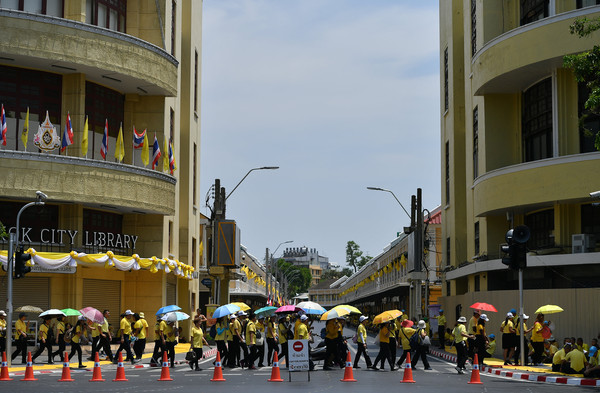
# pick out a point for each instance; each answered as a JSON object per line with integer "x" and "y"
{"x": 513, "y": 152}
{"x": 131, "y": 229}
{"x": 308, "y": 258}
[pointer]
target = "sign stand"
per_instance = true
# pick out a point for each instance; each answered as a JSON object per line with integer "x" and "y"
{"x": 297, "y": 358}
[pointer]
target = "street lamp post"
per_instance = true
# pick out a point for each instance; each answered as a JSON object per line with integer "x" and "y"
{"x": 13, "y": 245}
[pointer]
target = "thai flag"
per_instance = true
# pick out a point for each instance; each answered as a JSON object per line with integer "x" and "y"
{"x": 3, "y": 122}
{"x": 67, "y": 139}
{"x": 171, "y": 158}
{"x": 104, "y": 148}
{"x": 155, "y": 153}
{"x": 138, "y": 139}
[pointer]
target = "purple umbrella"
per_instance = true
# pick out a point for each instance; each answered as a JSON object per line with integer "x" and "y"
{"x": 289, "y": 308}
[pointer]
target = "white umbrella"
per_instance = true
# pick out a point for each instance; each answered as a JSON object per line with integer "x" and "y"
{"x": 312, "y": 308}
{"x": 175, "y": 316}
{"x": 53, "y": 313}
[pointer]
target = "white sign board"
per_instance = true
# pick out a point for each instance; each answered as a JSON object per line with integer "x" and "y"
{"x": 64, "y": 269}
{"x": 298, "y": 355}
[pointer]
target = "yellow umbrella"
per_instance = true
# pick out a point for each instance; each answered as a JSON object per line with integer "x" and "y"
{"x": 386, "y": 316}
{"x": 334, "y": 314}
{"x": 242, "y": 306}
{"x": 549, "y": 309}
{"x": 351, "y": 309}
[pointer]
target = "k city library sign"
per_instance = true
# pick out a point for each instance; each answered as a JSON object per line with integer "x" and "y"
{"x": 60, "y": 237}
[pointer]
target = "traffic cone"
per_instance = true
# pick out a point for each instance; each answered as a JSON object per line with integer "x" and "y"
{"x": 475, "y": 372}
{"x": 348, "y": 375}
{"x": 4, "y": 373}
{"x": 408, "y": 378}
{"x": 120, "y": 369}
{"x": 275, "y": 376}
{"x": 164, "y": 373}
{"x": 29, "y": 369}
{"x": 97, "y": 375}
{"x": 66, "y": 371}
{"x": 218, "y": 374}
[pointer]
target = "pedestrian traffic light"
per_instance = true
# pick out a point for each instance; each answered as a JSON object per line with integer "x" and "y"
{"x": 21, "y": 267}
{"x": 516, "y": 250}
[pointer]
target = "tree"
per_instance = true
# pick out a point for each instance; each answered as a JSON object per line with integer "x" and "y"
{"x": 355, "y": 257}
{"x": 586, "y": 67}
{"x": 298, "y": 278}
{"x": 2, "y": 231}
{"x": 335, "y": 274}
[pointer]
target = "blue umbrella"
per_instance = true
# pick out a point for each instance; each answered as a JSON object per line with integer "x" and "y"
{"x": 267, "y": 311}
{"x": 225, "y": 310}
{"x": 166, "y": 309}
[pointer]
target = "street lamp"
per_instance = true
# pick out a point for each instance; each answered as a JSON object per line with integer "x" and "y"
{"x": 13, "y": 244}
{"x": 244, "y": 178}
{"x": 383, "y": 189}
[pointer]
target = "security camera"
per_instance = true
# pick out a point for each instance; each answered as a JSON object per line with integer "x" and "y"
{"x": 595, "y": 194}
{"x": 41, "y": 195}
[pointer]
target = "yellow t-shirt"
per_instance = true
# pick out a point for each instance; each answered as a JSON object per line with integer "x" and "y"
{"x": 229, "y": 332}
{"x": 125, "y": 326}
{"x": 302, "y": 331}
{"x": 480, "y": 330}
{"x": 76, "y": 335}
{"x": 518, "y": 328}
{"x": 441, "y": 320}
{"x": 140, "y": 325}
{"x": 105, "y": 326}
{"x": 331, "y": 328}
{"x": 250, "y": 333}
{"x": 472, "y": 325}
{"x": 458, "y": 331}
{"x": 536, "y": 333}
{"x": 393, "y": 328}
{"x": 43, "y": 332}
{"x": 361, "y": 334}
{"x": 168, "y": 332}
{"x": 20, "y": 328}
{"x": 260, "y": 327}
{"x": 221, "y": 325}
{"x": 60, "y": 328}
{"x": 506, "y": 327}
{"x": 197, "y": 336}
{"x": 2, "y": 327}
{"x": 577, "y": 359}
{"x": 491, "y": 347}
{"x": 236, "y": 327}
{"x": 282, "y": 333}
{"x": 558, "y": 356}
{"x": 405, "y": 334}
{"x": 271, "y": 329}
{"x": 95, "y": 329}
{"x": 297, "y": 323}
{"x": 384, "y": 335}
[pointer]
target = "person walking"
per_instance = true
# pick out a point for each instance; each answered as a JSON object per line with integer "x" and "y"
{"x": 234, "y": 346}
{"x": 441, "y": 328}
{"x": 271, "y": 329}
{"x": 60, "y": 339}
{"x": 361, "y": 342}
{"x": 243, "y": 321}
{"x": 394, "y": 331}
{"x": 508, "y": 338}
{"x": 168, "y": 335}
{"x": 460, "y": 342}
{"x": 125, "y": 330}
{"x": 518, "y": 339}
{"x": 422, "y": 346}
{"x": 384, "y": 347}
{"x": 331, "y": 327}
{"x": 140, "y": 331}
{"x": 251, "y": 342}
{"x": 21, "y": 329}
{"x": 222, "y": 328}
{"x": 78, "y": 331}
{"x": 158, "y": 343}
{"x": 261, "y": 331}
{"x": 537, "y": 340}
{"x": 45, "y": 340}
{"x": 481, "y": 339}
{"x": 95, "y": 328}
{"x": 471, "y": 327}
{"x": 405, "y": 333}
{"x": 2, "y": 331}
{"x": 197, "y": 342}
{"x": 105, "y": 338}
{"x": 282, "y": 330}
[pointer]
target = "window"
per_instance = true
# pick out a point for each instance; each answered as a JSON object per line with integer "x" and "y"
{"x": 477, "y": 282}
{"x": 532, "y": 10}
{"x": 590, "y": 220}
{"x": 447, "y": 173}
{"x": 172, "y": 126}
{"x": 536, "y": 120}
{"x": 587, "y": 3}
{"x": 101, "y": 105}
{"x": 194, "y": 176}
{"x": 42, "y": 7}
{"x": 173, "y": 25}
{"x": 447, "y": 251}
{"x": 589, "y": 122}
{"x": 170, "y": 241}
{"x": 196, "y": 82}
{"x": 475, "y": 142}
{"x": 541, "y": 225}
{"x": 446, "y": 94}
{"x": 473, "y": 27}
{"x": 110, "y": 14}
{"x": 476, "y": 237}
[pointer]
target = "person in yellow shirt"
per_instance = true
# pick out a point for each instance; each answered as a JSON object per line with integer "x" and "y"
{"x": 140, "y": 331}
{"x": 78, "y": 331}
{"x": 45, "y": 340}
{"x": 168, "y": 335}
{"x": 393, "y": 340}
{"x": 273, "y": 346}
{"x": 559, "y": 356}
{"x": 221, "y": 338}
{"x": 361, "y": 342}
{"x": 384, "y": 347}
{"x": 251, "y": 342}
{"x": 491, "y": 347}
{"x": 549, "y": 351}
{"x": 518, "y": 338}
{"x": 197, "y": 342}
{"x": 471, "y": 330}
{"x": 158, "y": 346}
{"x": 283, "y": 329}
{"x": 125, "y": 331}
{"x": 2, "y": 331}
{"x": 574, "y": 361}
{"x": 405, "y": 333}
{"x": 105, "y": 337}
{"x": 234, "y": 349}
{"x": 21, "y": 329}
{"x": 508, "y": 338}
{"x": 60, "y": 338}
{"x": 331, "y": 327}
{"x": 460, "y": 339}
{"x": 537, "y": 340}
{"x": 261, "y": 332}
{"x": 441, "y": 319}
{"x": 303, "y": 333}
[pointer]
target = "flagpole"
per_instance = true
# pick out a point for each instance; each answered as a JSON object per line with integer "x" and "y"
{"x": 132, "y": 148}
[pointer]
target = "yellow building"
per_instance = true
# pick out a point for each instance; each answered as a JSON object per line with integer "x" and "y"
{"x": 129, "y": 65}
{"x": 513, "y": 153}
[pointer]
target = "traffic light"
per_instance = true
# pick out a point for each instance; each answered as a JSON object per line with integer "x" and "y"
{"x": 21, "y": 267}
{"x": 516, "y": 250}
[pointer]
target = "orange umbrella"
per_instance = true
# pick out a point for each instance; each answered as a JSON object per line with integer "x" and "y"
{"x": 484, "y": 307}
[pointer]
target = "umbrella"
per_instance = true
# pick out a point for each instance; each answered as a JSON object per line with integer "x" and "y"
{"x": 334, "y": 314}
{"x": 69, "y": 312}
{"x": 311, "y": 308}
{"x": 174, "y": 316}
{"x": 92, "y": 314}
{"x": 549, "y": 309}
{"x": 166, "y": 309}
{"x": 386, "y": 316}
{"x": 267, "y": 311}
{"x": 288, "y": 308}
{"x": 225, "y": 310}
{"x": 53, "y": 313}
{"x": 484, "y": 307}
{"x": 243, "y": 306}
{"x": 29, "y": 309}
{"x": 352, "y": 309}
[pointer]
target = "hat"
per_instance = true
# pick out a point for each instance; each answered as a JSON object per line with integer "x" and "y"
{"x": 421, "y": 324}
{"x": 232, "y": 316}
{"x": 525, "y": 316}
{"x": 142, "y": 315}
{"x": 406, "y": 323}
{"x": 492, "y": 336}
{"x": 362, "y": 318}
{"x": 513, "y": 311}
{"x": 303, "y": 317}
{"x": 484, "y": 317}
{"x": 241, "y": 314}
{"x": 462, "y": 320}
{"x": 509, "y": 314}
{"x": 441, "y": 310}
{"x": 2, "y": 313}
{"x": 128, "y": 312}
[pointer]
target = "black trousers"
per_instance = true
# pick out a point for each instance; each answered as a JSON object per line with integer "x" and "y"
{"x": 105, "y": 345}
{"x": 2, "y": 344}
{"x": 234, "y": 352}
{"x": 138, "y": 347}
{"x": 260, "y": 354}
{"x": 61, "y": 348}
{"x": 21, "y": 345}
{"x": 403, "y": 357}
{"x": 393, "y": 343}
{"x": 330, "y": 351}
{"x": 222, "y": 348}
{"x": 194, "y": 364}
{"x": 442, "y": 335}
{"x": 244, "y": 349}
{"x": 171, "y": 351}
{"x": 48, "y": 346}
{"x": 126, "y": 345}
{"x": 471, "y": 347}
{"x": 461, "y": 354}
{"x": 383, "y": 355}
{"x": 95, "y": 342}
{"x": 75, "y": 348}
{"x": 273, "y": 347}
{"x": 284, "y": 351}
{"x": 538, "y": 351}
{"x": 362, "y": 350}
{"x": 252, "y": 355}
{"x": 420, "y": 353}
{"x": 158, "y": 350}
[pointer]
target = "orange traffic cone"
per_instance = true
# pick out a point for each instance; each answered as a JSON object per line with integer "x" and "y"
{"x": 408, "y": 378}
{"x": 97, "y": 375}
{"x": 475, "y": 372}
{"x": 4, "y": 373}
{"x": 218, "y": 374}
{"x": 275, "y": 376}
{"x": 66, "y": 371}
{"x": 29, "y": 369}
{"x": 164, "y": 373}
{"x": 120, "y": 369}
{"x": 348, "y": 375}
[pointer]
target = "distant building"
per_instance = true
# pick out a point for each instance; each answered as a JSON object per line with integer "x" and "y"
{"x": 308, "y": 258}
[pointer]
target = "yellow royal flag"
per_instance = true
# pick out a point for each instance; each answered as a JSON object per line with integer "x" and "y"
{"x": 84, "y": 139}
{"x": 25, "y": 133}
{"x": 120, "y": 148}
{"x": 166, "y": 157}
{"x": 145, "y": 150}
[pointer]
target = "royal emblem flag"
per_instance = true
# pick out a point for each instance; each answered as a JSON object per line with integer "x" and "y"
{"x": 156, "y": 154}
{"x": 25, "y": 132}
{"x": 3, "y": 123}
{"x": 138, "y": 139}
{"x": 104, "y": 148}
{"x": 47, "y": 137}
{"x": 166, "y": 157}
{"x": 145, "y": 150}
{"x": 172, "y": 165}
{"x": 67, "y": 139}
{"x": 84, "y": 139}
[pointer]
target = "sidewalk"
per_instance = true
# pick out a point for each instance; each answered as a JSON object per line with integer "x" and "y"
{"x": 529, "y": 373}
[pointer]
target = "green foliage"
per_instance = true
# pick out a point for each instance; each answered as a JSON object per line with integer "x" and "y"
{"x": 3, "y": 233}
{"x": 586, "y": 66}
{"x": 335, "y": 274}
{"x": 355, "y": 257}
{"x": 299, "y": 278}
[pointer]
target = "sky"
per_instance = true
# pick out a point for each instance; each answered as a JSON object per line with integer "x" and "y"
{"x": 341, "y": 95}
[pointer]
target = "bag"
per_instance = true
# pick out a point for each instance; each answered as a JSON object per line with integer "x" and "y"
{"x": 68, "y": 335}
{"x": 258, "y": 335}
{"x": 414, "y": 339}
{"x": 289, "y": 335}
{"x": 323, "y": 333}
{"x": 546, "y": 332}
{"x": 355, "y": 339}
{"x": 426, "y": 341}
{"x": 213, "y": 331}
{"x": 190, "y": 356}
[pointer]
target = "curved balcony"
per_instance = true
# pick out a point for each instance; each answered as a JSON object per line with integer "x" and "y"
{"x": 518, "y": 58}
{"x": 119, "y": 187}
{"x": 537, "y": 184}
{"x": 119, "y": 61}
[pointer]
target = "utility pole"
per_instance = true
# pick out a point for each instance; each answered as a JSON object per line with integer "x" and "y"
{"x": 267, "y": 273}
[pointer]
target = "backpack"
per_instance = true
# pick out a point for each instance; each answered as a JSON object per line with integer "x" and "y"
{"x": 213, "y": 331}
{"x": 414, "y": 339}
{"x": 323, "y": 333}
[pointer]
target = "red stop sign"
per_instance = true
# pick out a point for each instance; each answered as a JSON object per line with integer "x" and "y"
{"x": 298, "y": 346}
